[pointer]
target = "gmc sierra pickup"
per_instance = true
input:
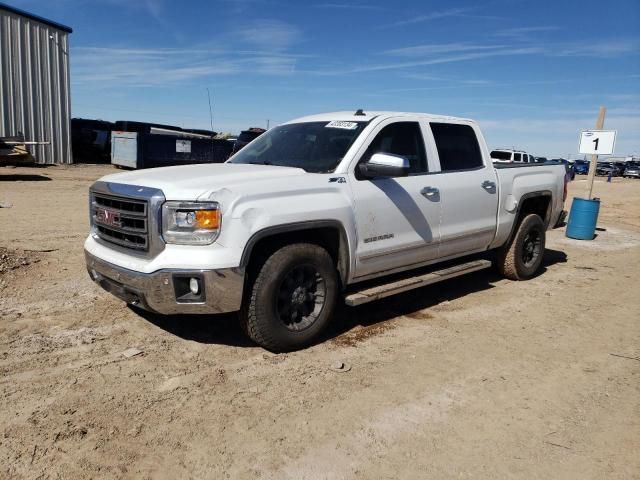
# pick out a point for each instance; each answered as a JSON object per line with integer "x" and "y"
{"x": 323, "y": 208}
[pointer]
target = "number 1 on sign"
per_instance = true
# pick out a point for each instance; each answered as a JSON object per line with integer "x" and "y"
{"x": 595, "y": 142}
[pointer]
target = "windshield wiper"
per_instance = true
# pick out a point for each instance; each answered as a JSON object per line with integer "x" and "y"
{"x": 265, "y": 162}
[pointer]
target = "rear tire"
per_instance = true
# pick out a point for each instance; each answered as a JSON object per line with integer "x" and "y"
{"x": 522, "y": 257}
{"x": 292, "y": 298}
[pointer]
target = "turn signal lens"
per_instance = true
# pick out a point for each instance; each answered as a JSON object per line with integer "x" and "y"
{"x": 208, "y": 219}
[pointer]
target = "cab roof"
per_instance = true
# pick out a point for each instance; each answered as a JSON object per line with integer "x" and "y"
{"x": 509, "y": 150}
{"x": 366, "y": 116}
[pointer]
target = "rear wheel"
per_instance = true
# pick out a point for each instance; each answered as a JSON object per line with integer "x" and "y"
{"x": 521, "y": 258}
{"x": 292, "y": 298}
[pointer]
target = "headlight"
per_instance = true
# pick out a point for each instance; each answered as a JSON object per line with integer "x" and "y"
{"x": 191, "y": 223}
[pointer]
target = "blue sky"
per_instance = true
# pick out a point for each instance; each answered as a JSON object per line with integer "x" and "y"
{"x": 532, "y": 73}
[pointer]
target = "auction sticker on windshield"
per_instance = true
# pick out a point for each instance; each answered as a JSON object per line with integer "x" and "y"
{"x": 341, "y": 124}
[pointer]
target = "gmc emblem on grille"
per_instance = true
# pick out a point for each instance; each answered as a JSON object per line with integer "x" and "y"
{"x": 107, "y": 217}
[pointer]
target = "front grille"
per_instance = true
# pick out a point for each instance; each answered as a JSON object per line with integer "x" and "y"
{"x": 121, "y": 221}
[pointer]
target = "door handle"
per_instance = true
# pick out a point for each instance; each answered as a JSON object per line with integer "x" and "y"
{"x": 489, "y": 185}
{"x": 430, "y": 191}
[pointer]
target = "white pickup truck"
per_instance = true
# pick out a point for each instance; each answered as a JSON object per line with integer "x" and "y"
{"x": 320, "y": 209}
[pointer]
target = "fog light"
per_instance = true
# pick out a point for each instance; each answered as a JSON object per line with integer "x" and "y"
{"x": 189, "y": 289}
{"x": 194, "y": 286}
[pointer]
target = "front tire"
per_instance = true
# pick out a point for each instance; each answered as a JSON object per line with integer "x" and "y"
{"x": 292, "y": 298}
{"x": 522, "y": 257}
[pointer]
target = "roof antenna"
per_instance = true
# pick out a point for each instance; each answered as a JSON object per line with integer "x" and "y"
{"x": 360, "y": 113}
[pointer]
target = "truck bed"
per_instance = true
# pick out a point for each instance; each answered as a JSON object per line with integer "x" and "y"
{"x": 503, "y": 165}
{"x": 517, "y": 181}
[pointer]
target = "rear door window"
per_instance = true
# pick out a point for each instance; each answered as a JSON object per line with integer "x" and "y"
{"x": 457, "y": 146}
{"x": 500, "y": 155}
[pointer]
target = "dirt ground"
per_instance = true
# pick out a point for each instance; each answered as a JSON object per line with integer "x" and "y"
{"x": 478, "y": 377}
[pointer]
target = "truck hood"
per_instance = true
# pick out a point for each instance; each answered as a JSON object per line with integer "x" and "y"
{"x": 190, "y": 182}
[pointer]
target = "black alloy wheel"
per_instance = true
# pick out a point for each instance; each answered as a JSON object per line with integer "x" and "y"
{"x": 531, "y": 248}
{"x": 291, "y": 297}
{"x": 521, "y": 258}
{"x": 301, "y": 297}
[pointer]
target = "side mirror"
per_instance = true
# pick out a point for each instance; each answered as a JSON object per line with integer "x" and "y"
{"x": 385, "y": 165}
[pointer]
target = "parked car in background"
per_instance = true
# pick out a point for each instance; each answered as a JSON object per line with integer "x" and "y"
{"x": 247, "y": 136}
{"x": 541, "y": 159}
{"x": 621, "y": 167}
{"x": 632, "y": 171}
{"x": 581, "y": 167}
{"x": 607, "y": 168}
{"x": 507, "y": 155}
{"x": 604, "y": 169}
{"x": 568, "y": 166}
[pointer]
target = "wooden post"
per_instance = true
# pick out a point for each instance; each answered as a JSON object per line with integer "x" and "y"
{"x": 594, "y": 158}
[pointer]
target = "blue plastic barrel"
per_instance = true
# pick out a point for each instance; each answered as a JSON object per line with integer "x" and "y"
{"x": 583, "y": 218}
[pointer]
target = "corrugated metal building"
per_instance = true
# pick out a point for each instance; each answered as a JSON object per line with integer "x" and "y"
{"x": 34, "y": 86}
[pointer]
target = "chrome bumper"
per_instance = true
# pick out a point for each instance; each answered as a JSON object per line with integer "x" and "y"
{"x": 156, "y": 292}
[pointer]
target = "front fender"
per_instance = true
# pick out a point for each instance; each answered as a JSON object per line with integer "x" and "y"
{"x": 249, "y": 218}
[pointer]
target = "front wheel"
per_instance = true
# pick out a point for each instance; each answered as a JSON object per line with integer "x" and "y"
{"x": 521, "y": 258}
{"x": 292, "y": 298}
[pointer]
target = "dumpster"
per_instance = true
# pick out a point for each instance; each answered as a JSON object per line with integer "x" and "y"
{"x": 148, "y": 150}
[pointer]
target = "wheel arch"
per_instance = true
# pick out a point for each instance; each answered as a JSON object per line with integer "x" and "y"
{"x": 539, "y": 202}
{"x": 329, "y": 234}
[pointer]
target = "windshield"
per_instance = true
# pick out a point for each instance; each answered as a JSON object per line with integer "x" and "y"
{"x": 316, "y": 147}
{"x": 498, "y": 155}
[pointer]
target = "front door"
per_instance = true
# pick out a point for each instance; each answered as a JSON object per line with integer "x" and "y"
{"x": 397, "y": 219}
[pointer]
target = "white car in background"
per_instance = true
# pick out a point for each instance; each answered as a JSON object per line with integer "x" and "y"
{"x": 507, "y": 155}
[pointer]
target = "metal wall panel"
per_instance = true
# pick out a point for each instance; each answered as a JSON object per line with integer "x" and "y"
{"x": 34, "y": 86}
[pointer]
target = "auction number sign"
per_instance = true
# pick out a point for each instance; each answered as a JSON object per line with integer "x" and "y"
{"x": 597, "y": 142}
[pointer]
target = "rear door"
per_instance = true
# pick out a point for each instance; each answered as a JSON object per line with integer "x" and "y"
{"x": 468, "y": 189}
{"x": 397, "y": 219}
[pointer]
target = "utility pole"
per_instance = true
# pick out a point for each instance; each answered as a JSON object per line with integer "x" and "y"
{"x": 210, "y": 111}
{"x": 211, "y": 123}
{"x": 268, "y": 120}
{"x": 594, "y": 158}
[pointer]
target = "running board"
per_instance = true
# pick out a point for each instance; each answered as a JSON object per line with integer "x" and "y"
{"x": 381, "y": 291}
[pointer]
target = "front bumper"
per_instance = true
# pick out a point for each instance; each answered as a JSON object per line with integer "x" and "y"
{"x": 156, "y": 292}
